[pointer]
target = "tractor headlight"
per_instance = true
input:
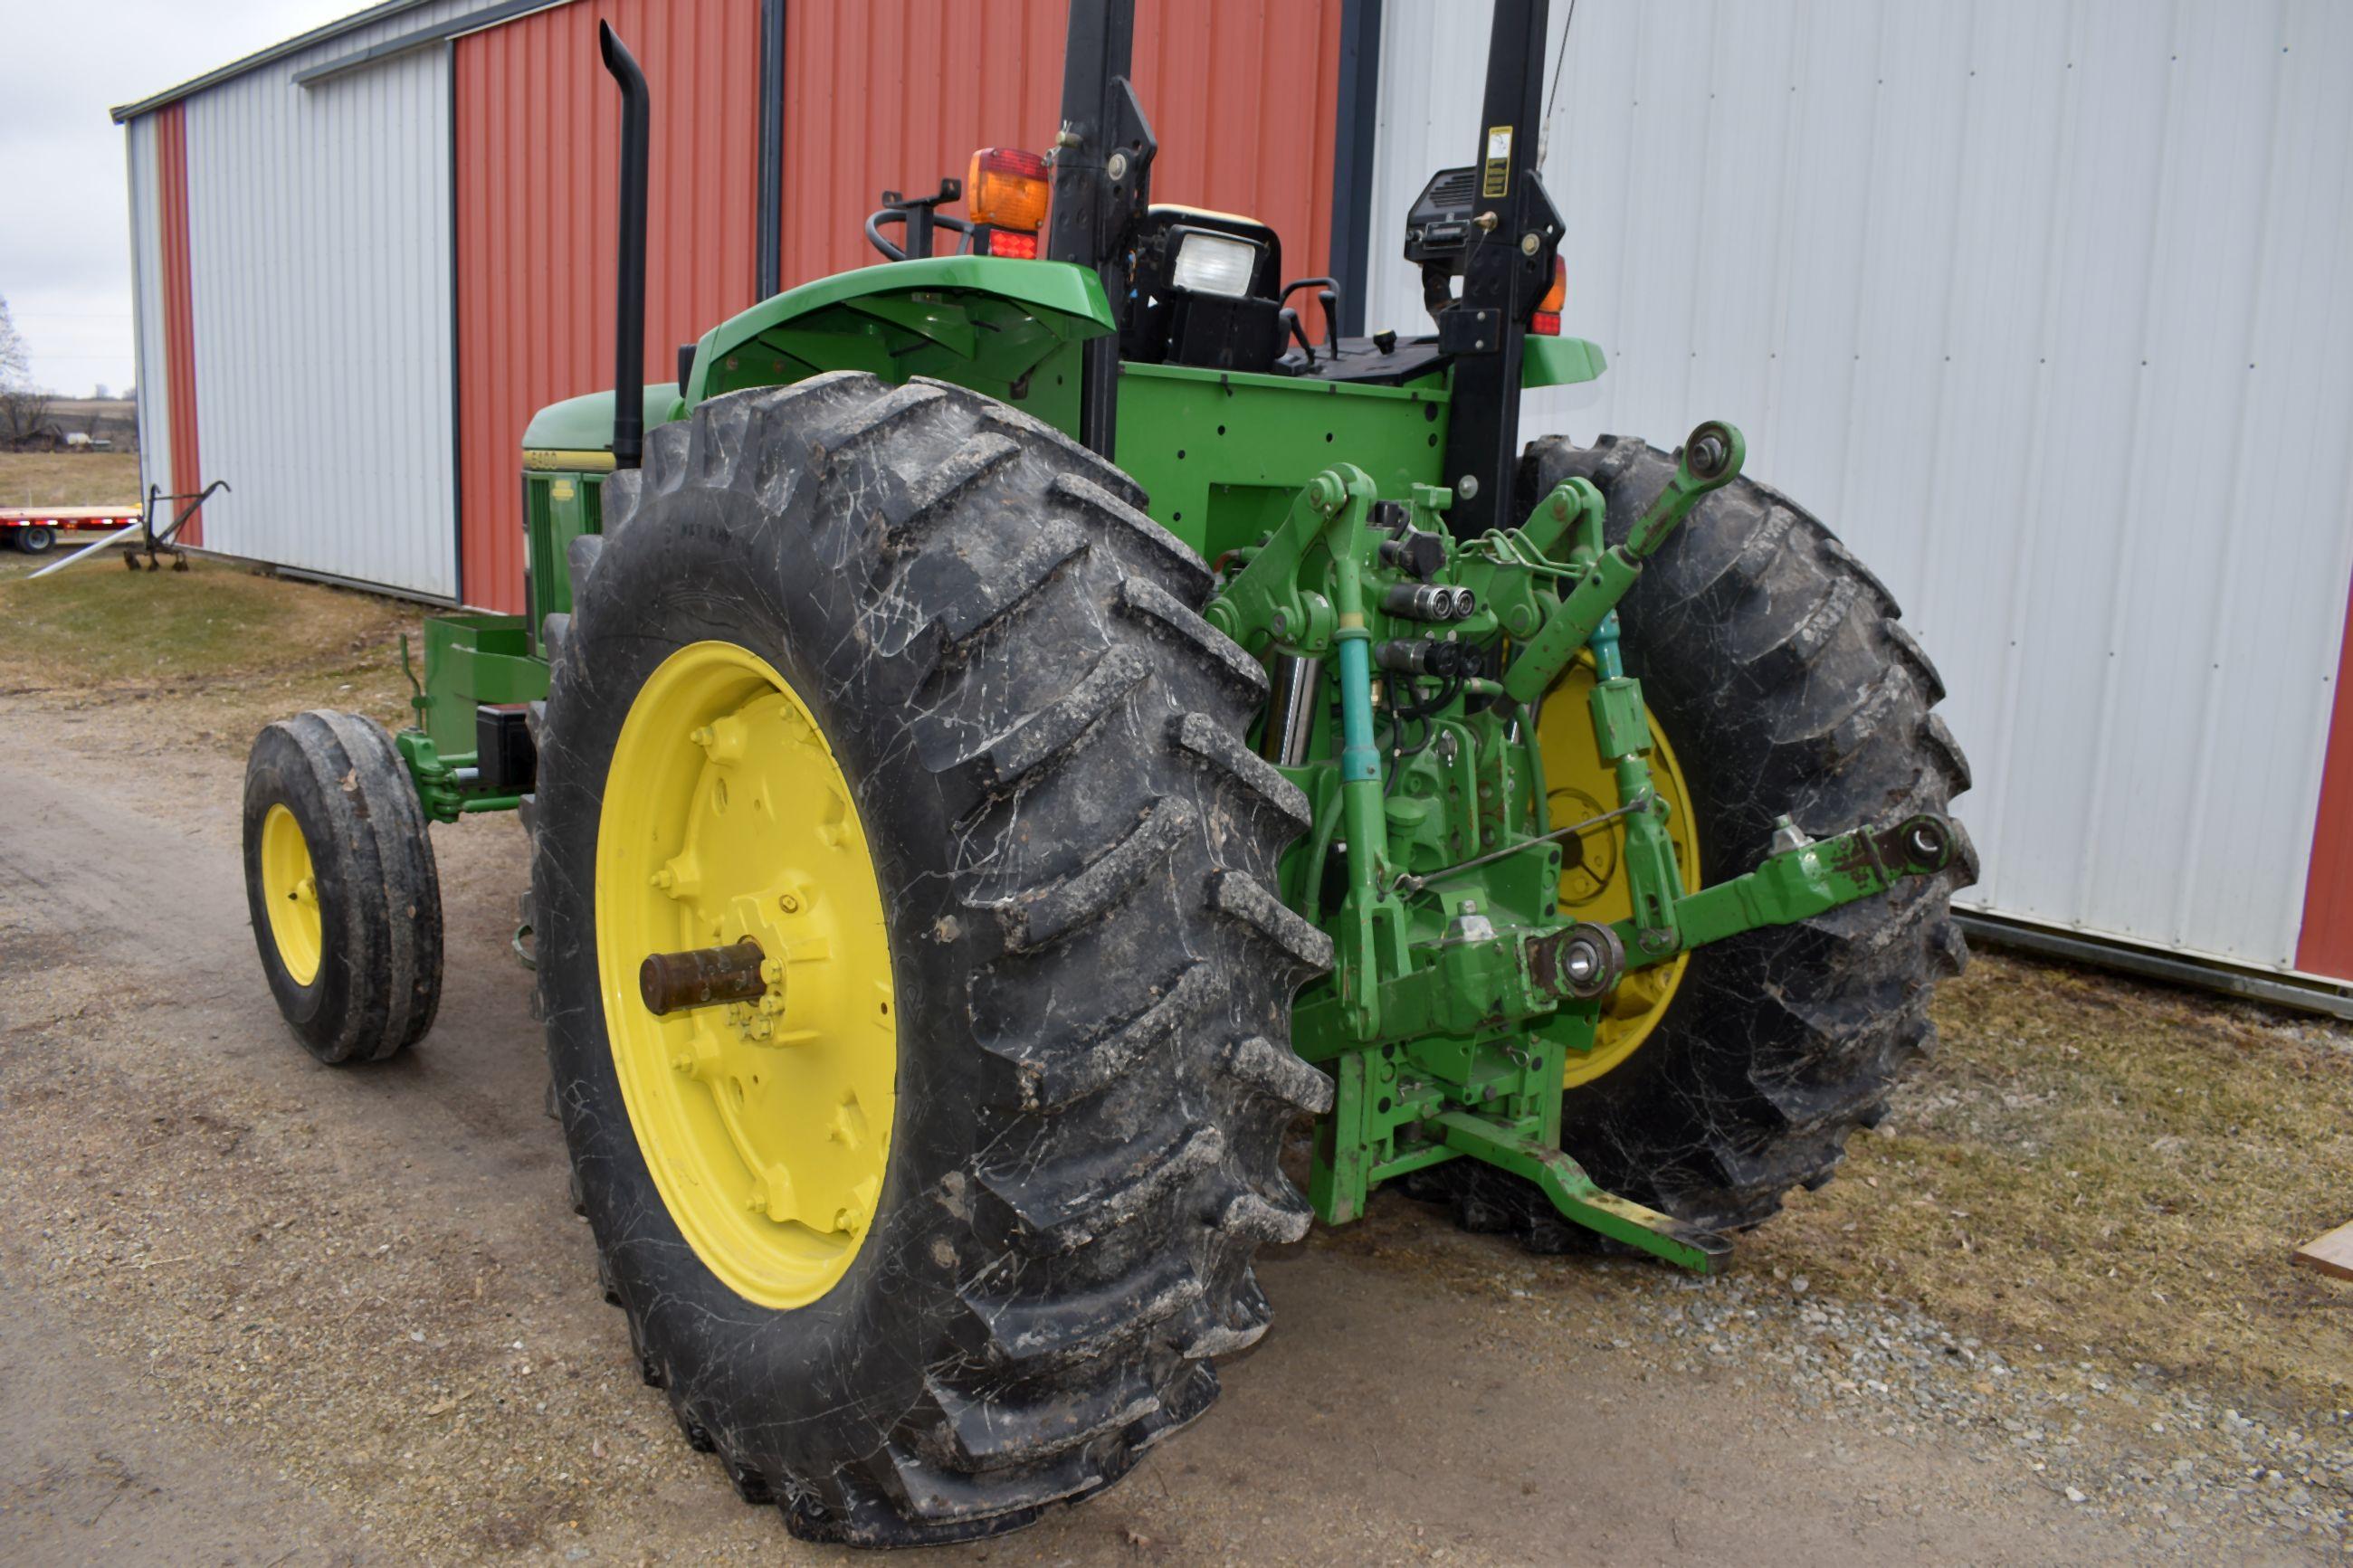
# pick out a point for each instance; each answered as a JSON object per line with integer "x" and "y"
{"x": 1214, "y": 264}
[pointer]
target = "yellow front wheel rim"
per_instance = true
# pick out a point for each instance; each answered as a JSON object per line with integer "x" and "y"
{"x": 291, "y": 893}
{"x": 766, "y": 1125}
{"x": 1579, "y": 784}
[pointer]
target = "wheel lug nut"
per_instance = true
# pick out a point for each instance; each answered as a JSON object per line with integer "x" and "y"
{"x": 789, "y": 902}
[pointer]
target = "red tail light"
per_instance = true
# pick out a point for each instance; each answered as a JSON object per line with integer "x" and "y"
{"x": 1010, "y": 242}
{"x": 1547, "y": 320}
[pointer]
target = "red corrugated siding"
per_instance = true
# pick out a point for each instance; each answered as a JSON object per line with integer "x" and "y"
{"x": 2324, "y": 944}
{"x": 538, "y": 129}
{"x": 188, "y": 475}
{"x": 890, "y": 94}
{"x": 1240, "y": 92}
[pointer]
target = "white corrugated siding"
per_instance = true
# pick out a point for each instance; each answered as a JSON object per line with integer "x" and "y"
{"x": 147, "y": 308}
{"x": 2049, "y": 312}
{"x": 319, "y": 229}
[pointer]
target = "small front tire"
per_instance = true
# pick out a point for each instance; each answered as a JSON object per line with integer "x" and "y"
{"x": 339, "y": 881}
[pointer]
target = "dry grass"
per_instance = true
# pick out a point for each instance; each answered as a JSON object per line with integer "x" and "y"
{"x": 69, "y": 478}
{"x": 2097, "y": 1164}
{"x": 229, "y": 649}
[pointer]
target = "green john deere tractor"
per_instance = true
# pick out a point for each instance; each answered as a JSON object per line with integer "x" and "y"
{"x": 1008, "y": 734}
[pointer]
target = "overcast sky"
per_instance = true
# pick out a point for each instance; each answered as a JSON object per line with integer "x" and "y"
{"x": 64, "y": 241}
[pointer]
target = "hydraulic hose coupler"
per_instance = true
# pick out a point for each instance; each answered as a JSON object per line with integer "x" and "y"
{"x": 1429, "y": 601}
{"x": 1414, "y": 554}
{"x": 1425, "y": 655}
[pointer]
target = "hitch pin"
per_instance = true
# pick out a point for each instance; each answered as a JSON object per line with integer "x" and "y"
{"x": 1412, "y": 884}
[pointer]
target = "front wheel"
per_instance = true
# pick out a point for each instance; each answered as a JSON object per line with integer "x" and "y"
{"x": 948, "y": 1221}
{"x": 341, "y": 886}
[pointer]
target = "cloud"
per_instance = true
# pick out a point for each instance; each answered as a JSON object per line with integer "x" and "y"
{"x": 65, "y": 253}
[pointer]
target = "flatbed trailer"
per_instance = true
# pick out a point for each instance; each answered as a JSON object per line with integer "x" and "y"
{"x": 35, "y": 529}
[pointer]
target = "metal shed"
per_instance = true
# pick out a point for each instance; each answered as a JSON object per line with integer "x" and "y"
{"x": 366, "y": 256}
{"x": 2045, "y": 310}
{"x": 2042, "y": 307}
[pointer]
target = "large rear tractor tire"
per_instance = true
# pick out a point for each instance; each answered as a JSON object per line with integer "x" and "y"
{"x": 1776, "y": 670}
{"x": 341, "y": 885}
{"x": 899, "y": 684}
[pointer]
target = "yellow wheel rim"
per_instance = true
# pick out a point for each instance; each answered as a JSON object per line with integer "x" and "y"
{"x": 767, "y": 1125}
{"x": 1579, "y": 783}
{"x": 291, "y": 893}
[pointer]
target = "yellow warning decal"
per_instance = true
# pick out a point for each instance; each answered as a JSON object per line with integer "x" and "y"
{"x": 1498, "y": 180}
{"x": 591, "y": 462}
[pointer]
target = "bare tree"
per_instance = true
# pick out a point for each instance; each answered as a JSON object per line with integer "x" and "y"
{"x": 24, "y": 406}
{"x": 24, "y": 421}
{"x": 16, "y": 363}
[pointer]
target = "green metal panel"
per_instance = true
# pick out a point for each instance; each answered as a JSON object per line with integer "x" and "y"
{"x": 1560, "y": 362}
{"x": 558, "y": 508}
{"x": 471, "y": 659}
{"x": 584, "y": 424}
{"x": 1224, "y": 453}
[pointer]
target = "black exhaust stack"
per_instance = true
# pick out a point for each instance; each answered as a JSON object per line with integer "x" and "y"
{"x": 629, "y": 304}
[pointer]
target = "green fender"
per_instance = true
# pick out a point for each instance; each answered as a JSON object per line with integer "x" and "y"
{"x": 1007, "y": 327}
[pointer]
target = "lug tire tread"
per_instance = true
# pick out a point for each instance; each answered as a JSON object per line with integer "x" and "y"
{"x": 384, "y": 934}
{"x": 1123, "y": 990}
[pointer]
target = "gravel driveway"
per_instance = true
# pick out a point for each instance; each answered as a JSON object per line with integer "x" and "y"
{"x": 264, "y": 1313}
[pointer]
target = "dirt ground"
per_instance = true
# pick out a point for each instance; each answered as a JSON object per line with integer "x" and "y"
{"x": 261, "y": 1311}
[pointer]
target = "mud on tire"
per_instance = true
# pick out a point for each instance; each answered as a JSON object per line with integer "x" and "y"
{"x": 1077, "y": 853}
{"x": 1776, "y": 664}
{"x": 377, "y": 982}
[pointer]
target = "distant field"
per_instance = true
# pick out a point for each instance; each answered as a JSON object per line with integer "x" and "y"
{"x": 68, "y": 478}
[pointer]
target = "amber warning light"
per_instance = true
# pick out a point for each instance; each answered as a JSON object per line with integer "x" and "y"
{"x": 1547, "y": 320}
{"x": 1006, "y": 194}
